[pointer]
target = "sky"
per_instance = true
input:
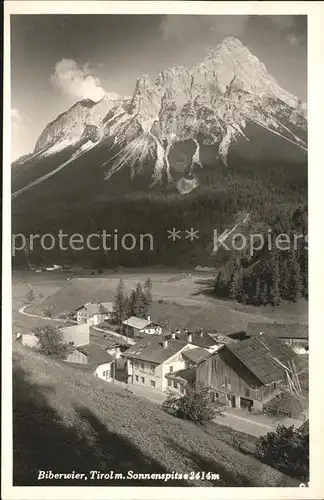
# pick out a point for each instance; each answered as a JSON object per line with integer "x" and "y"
{"x": 57, "y": 60}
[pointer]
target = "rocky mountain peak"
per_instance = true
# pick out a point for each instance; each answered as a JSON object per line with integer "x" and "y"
{"x": 210, "y": 103}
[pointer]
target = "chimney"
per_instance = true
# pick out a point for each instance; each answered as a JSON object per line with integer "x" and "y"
{"x": 189, "y": 337}
{"x": 18, "y": 335}
{"x": 165, "y": 343}
{"x": 201, "y": 332}
{"x": 148, "y": 318}
{"x": 173, "y": 335}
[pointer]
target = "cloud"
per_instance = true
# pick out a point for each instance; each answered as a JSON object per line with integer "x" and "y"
{"x": 77, "y": 82}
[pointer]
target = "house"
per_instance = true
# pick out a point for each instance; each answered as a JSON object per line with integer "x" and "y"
{"x": 295, "y": 335}
{"x": 156, "y": 361}
{"x": 249, "y": 373}
{"x": 93, "y": 358}
{"x": 94, "y": 313}
{"x": 28, "y": 340}
{"x": 114, "y": 344}
{"x": 76, "y": 334}
{"x": 138, "y": 327}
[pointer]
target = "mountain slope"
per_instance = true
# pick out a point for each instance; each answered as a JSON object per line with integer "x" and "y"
{"x": 76, "y": 422}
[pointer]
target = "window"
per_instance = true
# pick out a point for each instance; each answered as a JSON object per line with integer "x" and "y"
{"x": 175, "y": 385}
{"x": 136, "y": 378}
{"x": 274, "y": 385}
{"x": 152, "y": 368}
{"x": 247, "y": 392}
{"x": 142, "y": 366}
{"x": 171, "y": 368}
{"x": 169, "y": 383}
{"x": 143, "y": 380}
{"x": 152, "y": 383}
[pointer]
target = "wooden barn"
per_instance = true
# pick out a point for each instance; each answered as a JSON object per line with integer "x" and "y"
{"x": 249, "y": 373}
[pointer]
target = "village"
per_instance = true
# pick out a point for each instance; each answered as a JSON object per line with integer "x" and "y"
{"x": 259, "y": 377}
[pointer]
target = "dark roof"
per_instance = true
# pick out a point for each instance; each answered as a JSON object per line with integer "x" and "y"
{"x": 96, "y": 353}
{"x": 152, "y": 349}
{"x": 196, "y": 354}
{"x": 281, "y": 331}
{"x": 258, "y": 353}
{"x": 200, "y": 340}
{"x": 189, "y": 375}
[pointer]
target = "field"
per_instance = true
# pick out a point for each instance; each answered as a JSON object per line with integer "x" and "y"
{"x": 180, "y": 299}
{"x": 65, "y": 422}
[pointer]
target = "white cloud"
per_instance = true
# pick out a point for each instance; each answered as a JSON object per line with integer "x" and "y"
{"x": 76, "y": 81}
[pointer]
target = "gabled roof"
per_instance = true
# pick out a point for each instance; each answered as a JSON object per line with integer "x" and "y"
{"x": 97, "y": 308}
{"x": 136, "y": 322}
{"x": 279, "y": 330}
{"x": 97, "y": 354}
{"x": 152, "y": 349}
{"x": 196, "y": 354}
{"x": 90, "y": 307}
{"x": 263, "y": 356}
{"x": 106, "y": 307}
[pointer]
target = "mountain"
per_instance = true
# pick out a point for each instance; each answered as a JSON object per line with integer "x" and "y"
{"x": 223, "y": 130}
{"x": 213, "y": 104}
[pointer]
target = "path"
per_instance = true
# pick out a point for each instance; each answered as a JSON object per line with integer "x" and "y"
{"x": 22, "y": 311}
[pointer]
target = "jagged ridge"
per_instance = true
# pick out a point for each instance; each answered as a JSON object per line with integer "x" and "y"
{"x": 209, "y": 104}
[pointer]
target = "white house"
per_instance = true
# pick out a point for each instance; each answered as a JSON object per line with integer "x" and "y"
{"x": 138, "y": 327}
{"x": 94, "y": 313}
{"x": 149, "y": 361}
{"x": 93, "y": 358}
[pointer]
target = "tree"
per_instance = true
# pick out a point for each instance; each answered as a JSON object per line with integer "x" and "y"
{"x": 286, "y": 449}
{"x": 138, "y": 303}
{"x": 274, "y": 279}
{"x": 120, "y": 303}
{"x": 30, "y": 295}
{"x": 295, "y": 286}
{"x": 148, "y": 292}
{"x": 51, "y": 342}
{"x": 49, "y": 311}
{"x": 195, "y": 406}
{"x": 236, "y": 285}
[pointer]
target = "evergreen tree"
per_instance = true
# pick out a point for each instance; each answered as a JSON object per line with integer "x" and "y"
{"x": 236, "y": 291}
{"x": 284, "y": 279}
{"x": 138, "y": 304}
{"x": 295, "y": 281}
{"x": 120, "y": 303}
{"x": 148, "y": 292}
{"x": 31, "y": 295}
{"x": 256, "y": 297}
{"x": 274, "y": 278}
{"x": 264, "y": 294}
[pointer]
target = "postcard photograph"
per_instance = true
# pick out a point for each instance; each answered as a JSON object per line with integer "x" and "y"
{"x": 159, "y": 220}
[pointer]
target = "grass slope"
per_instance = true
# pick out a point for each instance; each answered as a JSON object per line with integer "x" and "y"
{"x": 66, "y": 420}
